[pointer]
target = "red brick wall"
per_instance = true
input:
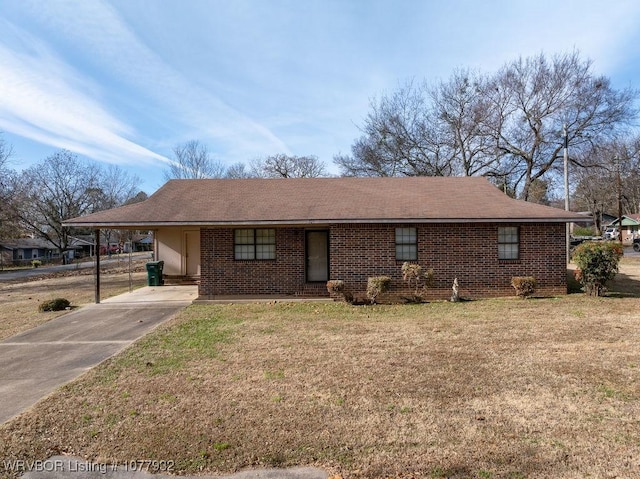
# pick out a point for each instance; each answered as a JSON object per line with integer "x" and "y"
{"x": 221, "y": 274}
{"x": 465, "y": 251}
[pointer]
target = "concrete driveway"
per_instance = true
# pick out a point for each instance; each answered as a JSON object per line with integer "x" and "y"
{"x": 35, "y": 362}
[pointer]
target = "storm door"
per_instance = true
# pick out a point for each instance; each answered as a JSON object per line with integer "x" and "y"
{"x": 317, "y": 256}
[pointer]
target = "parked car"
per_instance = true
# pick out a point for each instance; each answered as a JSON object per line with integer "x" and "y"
{"x": 636, "y": 244}
{"x": 113, "y": 249}
{"x": 611, "y": 233}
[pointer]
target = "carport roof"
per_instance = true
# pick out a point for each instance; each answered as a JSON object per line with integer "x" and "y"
{"x": 258, "y": 201}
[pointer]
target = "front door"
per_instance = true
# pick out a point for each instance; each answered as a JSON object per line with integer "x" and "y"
{"x": 192, "y": 253}
{"x": 317, "y": 256}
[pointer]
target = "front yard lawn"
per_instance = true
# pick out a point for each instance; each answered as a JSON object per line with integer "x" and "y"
{"x": 540, "y": 388}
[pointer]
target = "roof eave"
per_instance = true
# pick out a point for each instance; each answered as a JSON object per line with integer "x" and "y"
{"x": 322, "y": 221}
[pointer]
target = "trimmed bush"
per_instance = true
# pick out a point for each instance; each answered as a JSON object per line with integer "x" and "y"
{"x": 376, "y": 286}
{"x": 597, "y": 263}
{"x": 525, "y": 286}
{"x": 417, "y": 278}
{"x": 57, "y": 304}
{"x": 335, "y": 286}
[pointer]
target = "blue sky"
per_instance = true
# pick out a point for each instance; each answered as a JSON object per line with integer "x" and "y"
{"x": 123, "y": 81}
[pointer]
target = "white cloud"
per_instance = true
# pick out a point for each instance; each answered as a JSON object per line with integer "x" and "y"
{"x": 44, "y": 99}
{"x": 119, "y": 52}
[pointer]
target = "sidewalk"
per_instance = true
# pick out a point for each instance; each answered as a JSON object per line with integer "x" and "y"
{"x": 65, "y": 467}
{"x": 35, "y": 362}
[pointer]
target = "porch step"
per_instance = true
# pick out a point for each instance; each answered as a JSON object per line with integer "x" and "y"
{"x": 178, "y": 280}
{"x": 315, "y": 290}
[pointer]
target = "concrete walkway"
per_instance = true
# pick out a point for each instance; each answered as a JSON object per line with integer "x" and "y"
{"x": 65, "y": 467}
{"x": 35, "y": 362}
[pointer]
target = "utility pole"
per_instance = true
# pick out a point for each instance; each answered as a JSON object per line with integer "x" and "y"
{"x": 566, "y": 190}
{"x": 619, "y": 188}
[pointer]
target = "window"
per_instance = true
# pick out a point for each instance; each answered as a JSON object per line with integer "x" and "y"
{"x": 255, "y": 243}
{"x": 508, "y": 242}
{"x": 406, "y": 244}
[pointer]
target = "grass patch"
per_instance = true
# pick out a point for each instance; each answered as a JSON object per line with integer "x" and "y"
{"x": 195, "y": 337}
{"x": 499, "y": 388}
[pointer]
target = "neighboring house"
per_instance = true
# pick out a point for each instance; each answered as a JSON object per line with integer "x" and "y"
{"x": 598, "y": 225}
{"x": 24, "y": 250}
{"x": 81, "y": 246}
{"x": 630, "y": 227}
{"x": 289, "y": 236}
{"x": 140, "y": 242}
{"x": 85, "y": 244}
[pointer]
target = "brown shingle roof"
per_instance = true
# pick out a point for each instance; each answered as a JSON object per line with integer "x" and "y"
{"x": 324, "y": 200}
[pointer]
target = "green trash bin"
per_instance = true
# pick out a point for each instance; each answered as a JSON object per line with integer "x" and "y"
{"x": 154, "y": 273}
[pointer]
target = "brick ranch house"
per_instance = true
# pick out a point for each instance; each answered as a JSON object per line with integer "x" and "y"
{"x": 289, "y": 236}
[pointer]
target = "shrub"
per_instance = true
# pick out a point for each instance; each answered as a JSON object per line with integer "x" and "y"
{"x": 57, "y": 304}
{"x": 584, "y": 231}
{"x": 376, "y": 286}
{"x": 525, "y": 286}
{"x": 415, "y": 276}
{"x": 597, "y": 263}
{"x": 35, "y": 263}
{"x": 335, "y": 286}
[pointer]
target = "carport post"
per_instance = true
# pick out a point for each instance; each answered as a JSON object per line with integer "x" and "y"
{"x": 97, "y": 265}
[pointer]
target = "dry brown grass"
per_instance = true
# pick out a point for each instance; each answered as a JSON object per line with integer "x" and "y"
{"x": 20, "y": 299}
{"x": 509, "y": 388}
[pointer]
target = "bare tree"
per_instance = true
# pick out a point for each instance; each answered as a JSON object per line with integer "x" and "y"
{"x": 400, "y": 138}
{"x": 6, "y": 152}
{"x": 530, "y": 101}
{"x": 6, "y": 173}
{"x": 59, "y": 188}
{"x": 286, "y": 166}
{"x": 115, "y": 187}
{"x": 461, "y": 114}
{"x": 609, "y": 179}
{"x": 593, "y": 193}
{"x": 508, "y": 126}
{"x": 238, "y": 170}
{"x": 192, "y": 160}
{"x": 9, "y": 226}
{"x": 63, "y": 187}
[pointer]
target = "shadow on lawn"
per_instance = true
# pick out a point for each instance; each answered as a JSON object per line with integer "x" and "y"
{"x": 622, "y": 286}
